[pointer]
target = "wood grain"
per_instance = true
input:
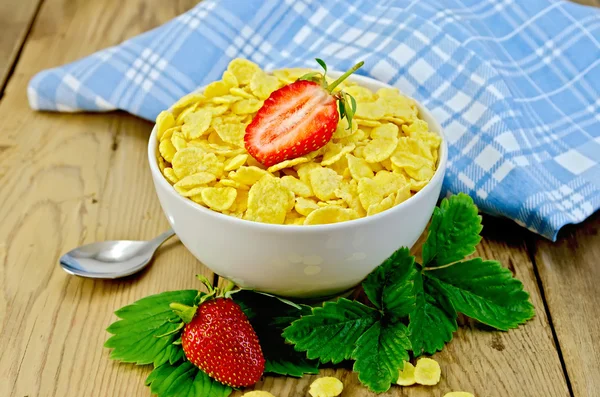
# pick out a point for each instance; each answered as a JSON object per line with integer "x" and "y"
{"x": 593, "y": 3}
{"x": 16, "y": 17}
{"x": 570, "y": 273}
{"x": 522, "y": 362}
{"x": 67, "y": 180}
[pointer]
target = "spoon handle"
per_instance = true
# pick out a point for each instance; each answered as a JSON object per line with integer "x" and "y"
{"x": 160, "y": 239}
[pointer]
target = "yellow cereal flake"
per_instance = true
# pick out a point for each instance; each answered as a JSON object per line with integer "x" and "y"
{"x": 427, "y": 372}
{"x": 215, "y": 139}
{"x": 416, "y": 186}
{"x": 358, "y": 167}
{"x": 230, "y": 79}
{"x": 258, "y": 393}
{"x": 262, "y": 85}
{"x": 326, "y": 387}
{"x": 194, "y": 98}
{"x": 383, "y": 205}
{"x": 243, "y": 70}
{"x": 232, "y": 183}
{"x": 178, "y": 140}
{"x": 458, "y": 394}
{"x": 225, "y": 99}
{"x": 359, "y": 138}
{"x": 402, "y": 194}
{"x": 170, "y": 175}
{"x": 297, "y": 186}
{"x": 415, "y": 127}
{"x": 235, "y": 162}
{"x": 167, "y": 150}
{"x": 395, "y": 120}
{"x": 241, "y": 201}
{"x": 389, "y": 182}
{"x": 303, "y": 171}
{"x": 196, "y": 124}
{"x": 195, "y": 191}
{"x": 385, "y": 131}
{"x": 370, "y": 110}
{"x": 380, "y": 149}
{"x": 248, "y": 175}
{"x": 231, "y": 133}
{"x": 367, "y": 123}
{"x": 195, "y": 180}
{"x": 368, "y": 193}
{"x": 335, "y": 151}
{"x": 216, "y": 89}
{"x": 361, "y": 94}
{"x": 223, "y": 150}
{"x": 164, "y": 121}
{"x": 246, "y": 106}
{"x": 219, "y": 198}
{"x": 241, "y": 93}
{"x": 288, "y": 164}
{"x": 342, "y": 130}
{"x": 169, "y": 133}
{"x": 330, "y": 214}
{"x": 197, "y": 199}
{"x": 406, "y": 377}
{"x": 305, "y": 206}
{"x": 218, "y": 110}
{"x": 181, "y": 116}
{"x": 324, "y": 182}
{"x": 193, "y": 160}
{"x": 387, "y": 164}
{"x": 268, "y": 201}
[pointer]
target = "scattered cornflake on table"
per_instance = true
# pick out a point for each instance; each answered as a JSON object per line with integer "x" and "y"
{"x": 406, "y": 376}
{"x": 258, "y": 393}
{"x": 326, "y": 387}
{"x": 427, "y": 372}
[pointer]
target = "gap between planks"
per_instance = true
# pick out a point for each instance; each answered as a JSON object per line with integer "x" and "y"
{"x": 15, "y": 48}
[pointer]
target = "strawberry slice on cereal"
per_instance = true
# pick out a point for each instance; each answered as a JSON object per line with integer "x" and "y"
{"x": 299, "y": 118}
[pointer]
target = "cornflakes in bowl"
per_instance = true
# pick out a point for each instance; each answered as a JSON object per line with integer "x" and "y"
{"x": 316, "y": 224}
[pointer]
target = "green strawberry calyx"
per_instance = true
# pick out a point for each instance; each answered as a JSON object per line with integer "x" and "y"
{"x": 186, "y": 313}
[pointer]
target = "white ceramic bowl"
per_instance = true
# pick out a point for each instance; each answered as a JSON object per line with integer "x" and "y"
{"x": 299, "y": 261}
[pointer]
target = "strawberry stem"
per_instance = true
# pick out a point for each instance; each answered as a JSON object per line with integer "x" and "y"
{"x": 184, "y": 312}
{"x": 343, "y": 77}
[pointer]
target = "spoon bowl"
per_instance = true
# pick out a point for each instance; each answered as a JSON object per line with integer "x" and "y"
{"x": 112, "y": 259}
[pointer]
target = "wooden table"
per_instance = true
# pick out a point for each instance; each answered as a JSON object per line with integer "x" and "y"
{"x": 66, "y": 180}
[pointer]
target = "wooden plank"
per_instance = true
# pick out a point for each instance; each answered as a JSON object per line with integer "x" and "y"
{"x": 570, "y": 271}
{"x": 67, "y": 180}
{"x": 522, "y": 362}
{"x": 594, "y": 3}
{"x": 16, "y": 17}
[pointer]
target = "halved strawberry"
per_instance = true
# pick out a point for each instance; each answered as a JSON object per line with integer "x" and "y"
{"x": 298, "y": 118}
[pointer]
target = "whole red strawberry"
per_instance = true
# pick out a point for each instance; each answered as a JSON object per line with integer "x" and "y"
{"x": 298, "y": 118}
{"x": 221, "y": 342}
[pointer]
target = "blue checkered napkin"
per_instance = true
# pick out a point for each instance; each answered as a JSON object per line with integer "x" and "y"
{"x": 515, "y": 84}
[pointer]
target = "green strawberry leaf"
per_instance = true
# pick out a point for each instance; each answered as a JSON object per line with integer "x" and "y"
{"x": 269, "y": 315}
{"x": 380, "y": 353}
{"x": 322, "y": 63}
{"x": 453, "y": 232}
{"x": 184, "y": 380}
{"x": 485, "y": 291}
{"x": 137, "y": 336}
{"x": 331, "y": 331}
{"x": 390, "y": 286}
{"x": 432, "y": 321}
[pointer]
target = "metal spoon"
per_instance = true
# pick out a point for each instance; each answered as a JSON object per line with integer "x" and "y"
{"x": 112, "y": 259}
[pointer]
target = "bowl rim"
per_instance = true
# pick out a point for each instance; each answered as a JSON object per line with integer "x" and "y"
{"x": 439, "y": 174}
